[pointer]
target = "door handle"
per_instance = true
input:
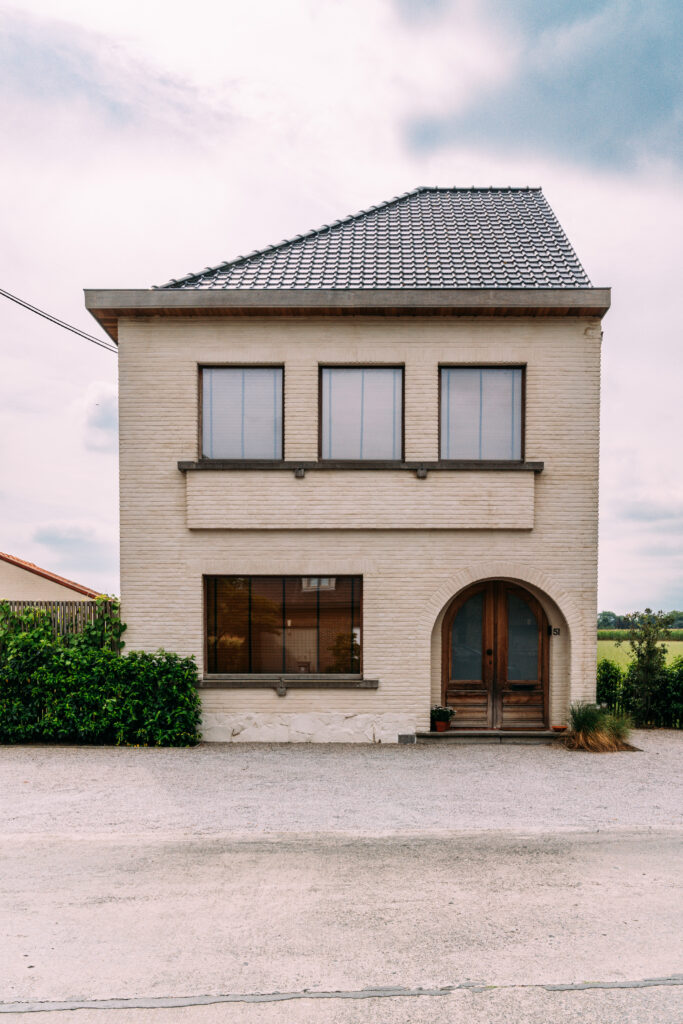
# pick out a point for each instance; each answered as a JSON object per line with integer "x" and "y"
{"x": 489, "y": 651}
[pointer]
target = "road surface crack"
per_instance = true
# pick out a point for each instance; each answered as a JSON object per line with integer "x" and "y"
{"x": 389, "y": 992}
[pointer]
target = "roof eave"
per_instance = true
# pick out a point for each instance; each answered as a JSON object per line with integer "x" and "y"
{"x": 108, "y": 306}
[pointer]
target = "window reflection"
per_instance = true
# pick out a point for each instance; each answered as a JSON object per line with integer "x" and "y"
{"x": 466, "y": 640}
{"x": 287, "y": 624}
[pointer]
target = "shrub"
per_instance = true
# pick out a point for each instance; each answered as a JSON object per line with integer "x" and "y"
{"x": 674, "y": 697}
{"x": 645, "y": 677}
{"x": 596, "y": 729}
{"x": 646, "y": 698}
{"x": 609, "y": 683}
{"x": 659, "y": 706}
{"x": 77, "y": 688}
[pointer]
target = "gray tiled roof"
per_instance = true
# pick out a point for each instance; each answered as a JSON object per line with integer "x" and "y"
{"x": 427, "y": 238}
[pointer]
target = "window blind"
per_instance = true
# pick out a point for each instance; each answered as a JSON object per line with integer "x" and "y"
{"x": 362, "y": 413}
{"x": 481, "y": 413}
{"x": 242, "y": 413}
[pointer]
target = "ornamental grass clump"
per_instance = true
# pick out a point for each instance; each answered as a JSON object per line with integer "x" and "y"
{"x": 597, "y": 729}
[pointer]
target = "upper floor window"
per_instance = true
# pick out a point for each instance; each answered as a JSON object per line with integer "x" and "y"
{"x": 242, "y": 412}
{"x": 362, "y": 413}
{"x": 481, "y": 412}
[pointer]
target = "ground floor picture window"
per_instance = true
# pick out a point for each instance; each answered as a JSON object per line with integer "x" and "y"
{"x": 283, "y": 624}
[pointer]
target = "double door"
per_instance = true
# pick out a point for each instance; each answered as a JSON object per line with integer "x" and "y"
{"x": 495, "y": 658}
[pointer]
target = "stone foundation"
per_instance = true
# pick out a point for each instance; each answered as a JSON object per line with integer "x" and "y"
{"x": 315, "y": 727}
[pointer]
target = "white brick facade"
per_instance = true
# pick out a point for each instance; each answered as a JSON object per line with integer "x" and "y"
{"x": 416, "y": 543}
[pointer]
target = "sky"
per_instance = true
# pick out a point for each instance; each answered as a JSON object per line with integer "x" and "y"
{"x": 144, "y": 140}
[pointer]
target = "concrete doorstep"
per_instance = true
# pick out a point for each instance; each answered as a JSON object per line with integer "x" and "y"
{"x": 542, "y": 736}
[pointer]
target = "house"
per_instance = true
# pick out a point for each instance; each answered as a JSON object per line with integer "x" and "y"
{"x": 359, "y": 472}
{"x": 24, "y": 581}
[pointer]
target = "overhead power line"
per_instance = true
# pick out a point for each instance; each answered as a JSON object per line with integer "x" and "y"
{"x": 60, "y": 323}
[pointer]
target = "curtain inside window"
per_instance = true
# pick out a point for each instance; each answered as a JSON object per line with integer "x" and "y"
{"x": 481, "y": 413}
{"x": 362, "y": 413}
{"x": 242, "y": 413}
{"x": 288, "y": 624}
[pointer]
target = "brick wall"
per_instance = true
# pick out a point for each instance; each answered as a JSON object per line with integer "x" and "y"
{"x": 408, "y": 572}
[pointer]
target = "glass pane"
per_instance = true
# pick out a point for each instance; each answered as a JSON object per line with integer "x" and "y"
{"x": 227, "y": 615}
{"x": 339, "y": 624}
{"x": 301, "y": 633}
{"x": 460, "y": 413}
{"x": 466, "y": 640}
{"x": 501, "y": 399}
{"x": 242, "y": 413}
{"x": 222, "y": 414}
{"x": 362, "y": 413}
{"x": 523, "y": 640}
{"x": 263, "y": 414}
{"x": 267, "y": 624}
{"x": 481, "y": 413}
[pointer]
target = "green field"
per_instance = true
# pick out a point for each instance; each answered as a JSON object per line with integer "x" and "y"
{"x": 622, "y": 655}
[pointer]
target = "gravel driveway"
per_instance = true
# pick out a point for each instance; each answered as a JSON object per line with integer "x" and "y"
{"x": 351, "y": 789}
{"x": 341, "y": 884}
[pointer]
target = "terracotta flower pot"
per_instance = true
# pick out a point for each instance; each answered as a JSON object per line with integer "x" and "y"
{"x": 441, "y": 726}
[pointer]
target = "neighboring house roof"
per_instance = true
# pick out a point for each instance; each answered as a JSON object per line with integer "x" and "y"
{"x": 427, "y": 238}
{"x": 30, "y": 567}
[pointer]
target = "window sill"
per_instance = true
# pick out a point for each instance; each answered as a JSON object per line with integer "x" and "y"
{"x": 282, "y": 683}
{"x": 419, "y": 468}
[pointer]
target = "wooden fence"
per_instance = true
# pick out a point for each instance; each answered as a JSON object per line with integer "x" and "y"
{"x": 67, "y": 616}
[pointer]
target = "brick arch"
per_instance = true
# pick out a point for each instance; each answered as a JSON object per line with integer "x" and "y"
{"x": 569, "y": 678}
{"x": 519, "y": 571}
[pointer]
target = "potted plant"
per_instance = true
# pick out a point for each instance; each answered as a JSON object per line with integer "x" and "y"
{"x": 441, "y": 717}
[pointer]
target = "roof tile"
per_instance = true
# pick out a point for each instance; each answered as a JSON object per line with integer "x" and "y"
{"x": 430, "y": 237}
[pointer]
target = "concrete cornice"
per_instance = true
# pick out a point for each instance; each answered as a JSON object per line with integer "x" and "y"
{"x": 109, "y": 306}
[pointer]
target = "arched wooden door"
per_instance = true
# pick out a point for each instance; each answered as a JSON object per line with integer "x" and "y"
{"x": 495, "y": 658}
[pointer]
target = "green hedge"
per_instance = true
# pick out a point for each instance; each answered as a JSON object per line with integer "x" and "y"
{"x": 622, "y": 634}
{"x": 658, "y": 704}
{"x": 78, "y": 689}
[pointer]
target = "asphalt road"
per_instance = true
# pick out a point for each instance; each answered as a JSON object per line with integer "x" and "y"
{"x": 138, "y": 923}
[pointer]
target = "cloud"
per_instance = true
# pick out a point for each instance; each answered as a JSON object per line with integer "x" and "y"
{"x": 599, "y": 84}
{"x": 666, "y": 549}
{"x": 101, "y": 419}
{"x": 77, "y": 550}
{"x": 54, "y": 65}
{"x": 653, "y": 512}
{"x": 143, "y": 141}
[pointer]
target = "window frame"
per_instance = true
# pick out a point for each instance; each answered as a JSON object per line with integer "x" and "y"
{"x": 200, "y": 407}
{"x": 485, "y": 366}
{"x": 307, "y": 678}
{"x": 362, "y": 366}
